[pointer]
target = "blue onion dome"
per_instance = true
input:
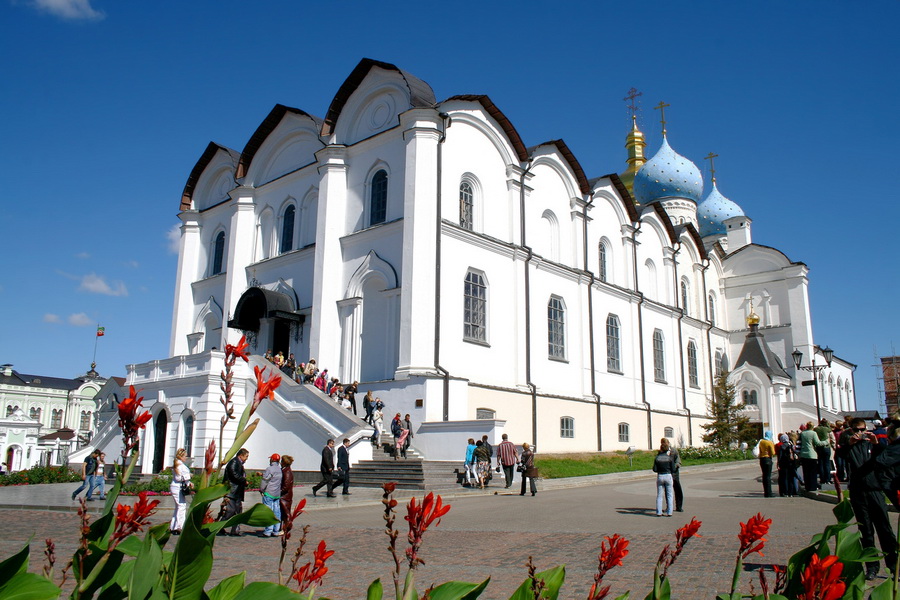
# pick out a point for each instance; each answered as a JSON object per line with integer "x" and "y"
{"x": 667, "y": 175}
{"x": 714, "y": 211}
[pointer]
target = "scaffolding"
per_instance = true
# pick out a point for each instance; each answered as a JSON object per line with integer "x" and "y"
{"x": 888, "y": 381}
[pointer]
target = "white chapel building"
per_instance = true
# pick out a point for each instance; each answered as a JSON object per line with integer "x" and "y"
{"x": 482, "y": 285}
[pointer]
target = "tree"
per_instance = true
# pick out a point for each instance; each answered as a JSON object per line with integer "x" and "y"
{"x": 730, "y": 425}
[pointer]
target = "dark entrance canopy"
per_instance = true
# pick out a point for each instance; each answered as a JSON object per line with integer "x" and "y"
{"x": 258, "y": 303}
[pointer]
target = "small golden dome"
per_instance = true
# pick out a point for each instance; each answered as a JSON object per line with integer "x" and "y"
{"x": 752, "y": 319}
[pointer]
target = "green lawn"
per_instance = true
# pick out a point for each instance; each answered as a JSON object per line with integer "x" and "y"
{"x": 554, "y": 466}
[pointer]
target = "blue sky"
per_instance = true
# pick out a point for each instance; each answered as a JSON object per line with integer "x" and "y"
{"x": 106, "y": 106}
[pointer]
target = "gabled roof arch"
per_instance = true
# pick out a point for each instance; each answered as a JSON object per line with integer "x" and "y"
{"x": 262, "y": 132}
{"x": 691, "y": 231}
{"x": 212, "y": 148}
{"x": 758, "y": 246}
{"x": 505, "y": 124}
{"x": 664, "y": 219}
{"x": 573, "y": 163}
{"x": 624, "y": 194}
{"x": 420, "y": 93}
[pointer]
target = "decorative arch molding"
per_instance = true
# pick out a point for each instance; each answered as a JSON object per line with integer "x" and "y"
{"x": 512, "y": 136}
{"x": 506, "y": 152}
{"x": 371, "y": 265}
{"x": 565, "y": 175}
{"x": 229, "y": 160}
{"x": 572, "y": 166}
{"x": 262, "y": 133}
{"x": 615, "y": 202}
{"x": 209, "y": 308}
{"x": 281, "y": 287}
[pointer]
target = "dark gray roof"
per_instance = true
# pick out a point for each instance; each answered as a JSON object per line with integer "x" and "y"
{"x": 40, "y": 381}
{"x": 756, "y": 353}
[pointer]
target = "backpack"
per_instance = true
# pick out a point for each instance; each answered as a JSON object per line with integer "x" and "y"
{"x": 756, "y": 450}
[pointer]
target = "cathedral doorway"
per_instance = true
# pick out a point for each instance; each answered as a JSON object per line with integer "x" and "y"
{"x": 159, "y": 439}
{"x": 267, "y": 318}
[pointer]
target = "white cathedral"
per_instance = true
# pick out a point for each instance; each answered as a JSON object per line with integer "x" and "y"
{"x": 481, "y": 285}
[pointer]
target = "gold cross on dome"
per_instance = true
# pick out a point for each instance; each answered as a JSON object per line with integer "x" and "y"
{"x": 712, "y": 165}
{"x": 632, "y": 105}
{"x": 661, "y": 107}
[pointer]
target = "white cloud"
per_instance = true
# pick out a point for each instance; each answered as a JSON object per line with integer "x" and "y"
{"x": 69, "y": 10}
{"x": 51, "y": 318}
{"x": 80, "y": 320}
{"x": 97, "y": 284}
{"x": 131, "y": 263}
{"x": 83, "y": 255}
{"x": 174, "y": 238}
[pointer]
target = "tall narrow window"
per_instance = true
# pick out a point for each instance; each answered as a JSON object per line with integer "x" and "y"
{"x": 693, "y": 377}
{"x": 750, "y": 398}
{"x": 56, "y": 419}
{"x": 188, "y": 434}
{"x": 712, "y": 310}
{"x": 556, "y": 328}
{"x": 685, "y": 298}
{"x": 718, "y": 364}
{"x": 378, "y": 201}
{"x": 466, "y": 206}
{"x": 602, "y": 254}
{"x": 624, "y": 432}
{"x": 613, "y": 344}
{"x": 567, "y": 427}
{"x": 218, "y": 253}
{"x": 474, "y": 308}
{"x": 85, "y": 423}
{"x": 724, "y": 363}
{"x": 34, "y": 413}
{"x": 10, "y": 410}
{"x": 659, "y": 357}
{"x": 287, "y": 231}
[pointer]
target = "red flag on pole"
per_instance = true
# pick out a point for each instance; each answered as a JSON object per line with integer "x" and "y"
{"x": 100, "y": 331}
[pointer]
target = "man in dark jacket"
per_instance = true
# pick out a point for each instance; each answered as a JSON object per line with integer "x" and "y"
{"x": 237, "y": 477}
{"x": 343, "y": 464}
{"x": 326, "y": 467}
{"x": 866, "y": 496}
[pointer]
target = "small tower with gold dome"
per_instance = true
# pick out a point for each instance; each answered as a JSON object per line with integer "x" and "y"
{"x": 634, "y": 143}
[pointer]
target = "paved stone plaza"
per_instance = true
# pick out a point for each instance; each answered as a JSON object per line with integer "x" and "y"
{"x": 487, "y": 535}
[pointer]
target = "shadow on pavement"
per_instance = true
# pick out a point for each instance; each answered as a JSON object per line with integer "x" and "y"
{"x": 647, "y": 512}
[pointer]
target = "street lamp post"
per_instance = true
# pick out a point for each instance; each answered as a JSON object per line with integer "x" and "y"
{"x": 814, "y": 369}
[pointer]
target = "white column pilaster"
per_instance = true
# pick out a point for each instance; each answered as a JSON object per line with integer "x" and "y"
{"x": 239, "y": 251}
{"x": 188, "y": 270}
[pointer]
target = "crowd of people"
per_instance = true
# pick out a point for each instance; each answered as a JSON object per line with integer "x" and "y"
{"x": 867, "y": 459}
{"x": 343, "y": 394}
{"x": 477, "y": 463}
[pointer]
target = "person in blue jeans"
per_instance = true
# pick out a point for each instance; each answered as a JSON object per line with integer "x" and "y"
{"x": 88, "y": 469}
{"x": 270, "y": 487}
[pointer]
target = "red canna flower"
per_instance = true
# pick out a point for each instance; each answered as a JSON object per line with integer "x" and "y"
{"x": 209, "y": 464}
{"x": 669, "y": 555}
{"x": 420, "y": 517}
{"x": 208, "y": 517}
{"x": 389, "y": 487}
{"x": 131, "y": 519}
{"x": 130, "y": 421}
{"x": 312, "y": 573}
{"x": 752, "y": 532}
{"x": 264, "y": 387}
{"x": 822, "y": 579}
{"x": 288, "y": 523}
{"x": 609, "y": 557}
{"x": 239, "y": 351}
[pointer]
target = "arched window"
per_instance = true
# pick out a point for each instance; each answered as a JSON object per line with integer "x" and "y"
{"x": 550, "y": 233}
{"x": 750, "y": 398}
{"x": 566, "y": 427}
{"x": 650, "y": 269}
{"x": 693, "y": 376}
{"x": 35, "y": 413}
{"x": 85, "y": 423}
{"x": 712, "y": 310}
{"x": 624, "y": 432}
{"x": 668, "y": 432}
{"x": 718, "y": 363}
{"x": 287, "y": 231}
{"x": 659, "y": 357}
{"x": 601, "y": 252}
{"x": 218, "y": 253}
{"x": 10, "y": 410}
{"x": 685, "y": 298}
{"x": 56, "y": 419}
{"x": 723, "y": 364}
{"x": 474, "y": 308}
{"x": 466, "y": 206}
{"x": 188, "y": 433}
{"x": 556, "y": 328}
{"x": 839, "y": 405}
{"x": 378, "y": 198}
{"x": 613, "y": 344}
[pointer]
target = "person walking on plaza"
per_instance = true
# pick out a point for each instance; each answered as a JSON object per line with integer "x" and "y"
{"x": 809, "y": 441}
{"x": 287, "y": 488}
{"x": 676, "y": 480}
{"x": 867, "y": 497}
{"x": 236, "y": 476}
{"x": 824, "y": 452}
{"x": 507, "y": 457}
{"x": 343, "y": 463}
{"x": 529, "y": 471}
{"x": 470, "y": 462}
{"x": 100, "y": 476}
{"x": 270, "y": 488}
{"x": 766, "y": 456}
{"x": 180, "y": 475}
{"x": 787, "y": 467}
{"x": 87, "y": 476}
{"x": 482, "y": 463}
{"x": 663, "y": 466}
{"x": 326, "y": 467}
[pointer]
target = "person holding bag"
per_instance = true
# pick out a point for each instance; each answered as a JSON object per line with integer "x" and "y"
{"x": 181, "y": 488}
{"x": 529, "y": 471}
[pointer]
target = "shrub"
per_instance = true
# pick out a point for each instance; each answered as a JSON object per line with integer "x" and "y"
{"x": 41, "y": 474}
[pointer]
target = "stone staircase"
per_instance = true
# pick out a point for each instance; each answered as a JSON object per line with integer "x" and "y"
{"x": 411, "y": 473}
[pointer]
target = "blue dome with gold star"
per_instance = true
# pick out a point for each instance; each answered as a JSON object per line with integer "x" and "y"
{"x": 714, "y": 211}
{"x": 668, "y": 175}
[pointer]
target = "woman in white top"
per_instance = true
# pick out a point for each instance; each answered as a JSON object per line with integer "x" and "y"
{"x": 180, "y": 474}
{"x": 378, "y": 420}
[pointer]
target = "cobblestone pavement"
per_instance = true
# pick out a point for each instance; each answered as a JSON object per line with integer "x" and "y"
{"x": 493, "y": 536}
